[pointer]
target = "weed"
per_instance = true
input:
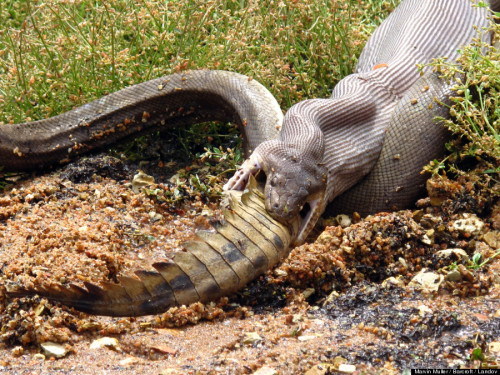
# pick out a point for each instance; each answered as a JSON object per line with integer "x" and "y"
{"x": 475, "y": 114}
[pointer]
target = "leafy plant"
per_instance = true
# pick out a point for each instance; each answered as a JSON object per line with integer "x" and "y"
{"x": 475, "y": 112}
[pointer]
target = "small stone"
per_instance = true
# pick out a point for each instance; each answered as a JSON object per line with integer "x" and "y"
{"x": 109, "y": 342}
{"x": 397, "y": 281}
{"x": 130, "y": 361}
{"x": 39, "y": 357}
{"x": 492, "y": 238}
{"x": 17, "y": 351}
{"x": 453, "y": 254}
{"x": 307, "y": 337}
{"x": 154, "y": 216}
{"x": 280, "y": 273}
{"x": 348, "y": 369}
{"x": 308, "y": 292}
{"x": 266, "y": 371}
{"x": 469, "y": 224}
{"x": 494, "y": 347}
{"x": 141, "y": 180}
{"x": 426, "y": 240}
{"x": 321, "y": 369}
{"x": 454, "y": 275}
{"x": 52, "y": 349}
{"x": 251, "y": 338}
{"x": 163, "y": 349}
{"x": 343, "y": 220}
{"x": 422, "y": 310}
{"x": 466, "y": 274}
{"x": 426, "y": 281}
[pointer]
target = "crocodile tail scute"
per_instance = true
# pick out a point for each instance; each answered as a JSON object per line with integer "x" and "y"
{"x": 214, "y": 263}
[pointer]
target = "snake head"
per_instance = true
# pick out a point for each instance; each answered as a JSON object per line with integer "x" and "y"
{"x": 295, "y": 185}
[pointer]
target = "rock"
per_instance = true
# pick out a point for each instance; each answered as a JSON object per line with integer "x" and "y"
{"x": 308, "y": 292}
{"x": 466, "y": 274}
{"x": 52, "y": 349}
{"x": 454, "y": 275}
{"x": 426, "y": 281}
{"x": 130, "y": 361}
{"x": 109, "y": 342}
{"x": 348, "y": 369}
{"x": 470, "y": 224}
{"x": 280, "y": 273}
{"x": 426, "y": 240}
{"x": 494, "y": 347}
{"x": 308, "y": 337}
{"x": 397, "y": 281}
{"x": 453, "y": 254}
{"x": 266, "y": 371}
{"x": 17, "y": 351}
{"x": 343, "y": 220}
{"x": 251, "y": 338}
{"x": 492, "y": 238}
{"x": 422, "y": 310}
{"x": 141, "y": 180}
{"x": 163, "y": 349}
{"x": 320, "y": 369}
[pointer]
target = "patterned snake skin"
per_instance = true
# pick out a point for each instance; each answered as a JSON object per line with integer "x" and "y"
{"x": 362, "y": 149}
{"x": 378, "y": 121}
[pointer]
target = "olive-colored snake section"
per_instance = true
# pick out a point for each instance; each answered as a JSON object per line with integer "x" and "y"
{"x": 177, "y": 100}
{"x": 362, "y": 149}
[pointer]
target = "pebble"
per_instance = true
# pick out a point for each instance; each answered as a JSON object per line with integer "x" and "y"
{"x": 492, "y": 238}
{"x": 494, "y": 347}
{"x": 266, "y": 371}
{"x": 397, "y": 281}
{"x": 343, "y": 220}
{"x": 251, "y": 338}
{"x": 163, "y": 349}
{"x": 109, "y": 342}
{"x": 141, "y": 180}
{"x": 454, "y": 275}
{"x": 308, "y": 292}
{"x": 320, "y": 369}
{"x": 348, "y": 369}
{"x": 308, "y": 337}
{"x": 130, "y": 361}
{"x": 470, "y": 224}
{"x": 53, "y": 349}
{"x": 17, "y": 351}
{"x": 449, "y": 253}
{"x": 426, "y": 281}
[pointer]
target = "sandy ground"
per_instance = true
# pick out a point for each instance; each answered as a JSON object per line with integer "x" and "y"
{"x": 343, "y": 302}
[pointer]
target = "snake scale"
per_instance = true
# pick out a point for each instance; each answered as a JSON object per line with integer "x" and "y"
{"x": 360, "y": 150}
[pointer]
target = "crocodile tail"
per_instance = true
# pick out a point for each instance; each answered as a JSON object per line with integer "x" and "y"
{"x": 215, "y": 263}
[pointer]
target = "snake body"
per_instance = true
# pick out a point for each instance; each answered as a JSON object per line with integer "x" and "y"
{"x": 362, "y": 149}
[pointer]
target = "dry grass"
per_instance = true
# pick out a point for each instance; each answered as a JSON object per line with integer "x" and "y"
{"x": 55, "y": 55}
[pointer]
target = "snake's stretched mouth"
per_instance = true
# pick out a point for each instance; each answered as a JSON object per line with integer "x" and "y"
{"x": 310, "y": 213}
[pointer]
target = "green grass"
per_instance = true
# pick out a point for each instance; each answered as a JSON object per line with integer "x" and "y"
{"x": 475, "y": 115}
{"x": 55, "y": 55}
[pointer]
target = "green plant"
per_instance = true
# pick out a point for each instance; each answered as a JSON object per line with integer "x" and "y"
{"x": 475, "y": 113}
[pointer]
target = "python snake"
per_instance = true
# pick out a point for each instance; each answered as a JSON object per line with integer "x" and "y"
{"x": 361, "y": 150}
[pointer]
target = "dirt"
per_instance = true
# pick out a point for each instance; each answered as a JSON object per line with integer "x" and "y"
{"x": 346, "y": 299}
